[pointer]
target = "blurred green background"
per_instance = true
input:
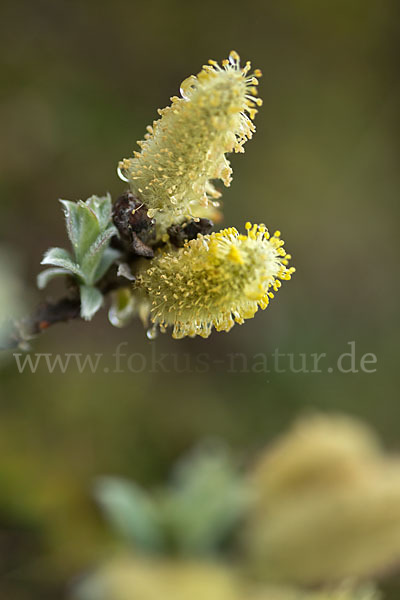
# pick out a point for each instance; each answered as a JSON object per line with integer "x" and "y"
{"x": 80, "y": 82}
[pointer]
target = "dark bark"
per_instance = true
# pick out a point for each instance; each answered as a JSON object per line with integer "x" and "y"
{"x": 46, "y": 315}
{"x": 50, "y": 313}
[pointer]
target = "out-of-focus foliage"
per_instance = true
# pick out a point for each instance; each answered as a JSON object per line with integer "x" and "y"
{"x": 131, "y": 512}
{"x": 205, "y": 502}
{"x": 13, "y": 299}
{"x": 193, "y": 515}
{"x": 328, "y": 505}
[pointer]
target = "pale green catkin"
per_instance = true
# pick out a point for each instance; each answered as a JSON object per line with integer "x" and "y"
{"x": 185, "y": 150}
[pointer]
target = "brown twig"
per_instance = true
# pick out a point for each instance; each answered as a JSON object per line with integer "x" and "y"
{"x": 136, "y": 239}
{"x": 50, "y": 313}
{"x": 46, "y": 315}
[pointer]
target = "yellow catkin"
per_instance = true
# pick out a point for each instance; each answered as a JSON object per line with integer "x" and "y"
{"x": 185, "y": 149}
{"x": 216, "y": 280}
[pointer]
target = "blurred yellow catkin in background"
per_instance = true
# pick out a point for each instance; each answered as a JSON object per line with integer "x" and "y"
{"x": 327, "y": 505}
{"x": 127, "y": 578}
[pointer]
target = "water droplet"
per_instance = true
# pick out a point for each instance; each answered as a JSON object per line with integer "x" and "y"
{"x": 121, "y": 175}
{"x": 173, "y": 200}
{"x": 152, "y": 332}
{"x": 187, "y": 87}
{"x": 114, "y": 318}
{"x": 123, "y": 307}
